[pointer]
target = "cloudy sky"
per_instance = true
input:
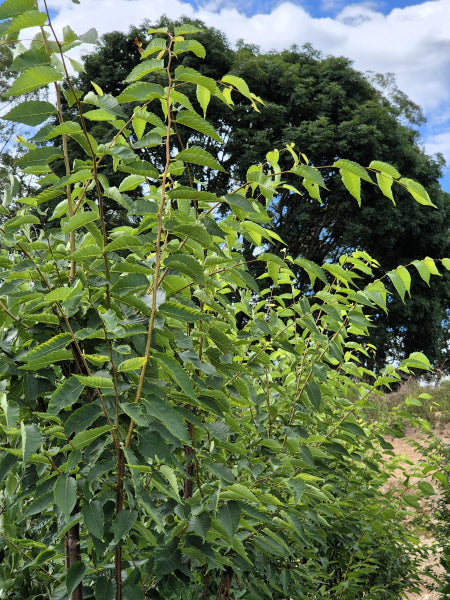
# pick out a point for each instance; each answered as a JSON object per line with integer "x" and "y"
{"x": 409, "y": 38}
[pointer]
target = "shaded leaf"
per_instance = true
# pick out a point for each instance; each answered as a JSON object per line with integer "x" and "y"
{"x": 123, "y": 523}
{"x": 93, "y": 518}
{"x": 82, "y": 439}
{"x": 31, "y": 440}
{"x": 32, "y": 79}
{"x": 199, "y": 156}
{"x": 65, "y": 395}
{"x": 229, "y": 516}
{"x": 74, "y": 576}
{"x": 65, "y": 494}
{"x": 194, "y": 121}
{"x": 31, "y": 112}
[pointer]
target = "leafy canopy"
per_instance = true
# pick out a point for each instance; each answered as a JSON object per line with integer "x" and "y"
{"x": 328, "y": 110}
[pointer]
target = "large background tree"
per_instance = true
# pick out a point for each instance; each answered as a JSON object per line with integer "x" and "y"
{"x": 322, "y": 105}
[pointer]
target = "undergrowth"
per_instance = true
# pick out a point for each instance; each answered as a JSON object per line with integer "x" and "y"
{"x": 412, "y": 398}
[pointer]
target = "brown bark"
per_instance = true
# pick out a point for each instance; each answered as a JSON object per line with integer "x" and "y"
{"x": 73, "y": 554}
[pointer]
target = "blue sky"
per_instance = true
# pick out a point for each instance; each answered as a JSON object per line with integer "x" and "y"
{"x": 408, "y": 38}
{"x": 315, "y": 8}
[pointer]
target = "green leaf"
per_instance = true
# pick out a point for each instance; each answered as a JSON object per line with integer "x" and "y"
{"x": 59, "y": 295}
{"x": 155, "y": 45}
{"x": 128, "y": 284}
{"x": 39, "y": 156}
{"x": 93, "y": 518}
{"x": 132, "y": 364}
{"x": 200, "y": 525}
{"x": 16, "y": 223}
{"x": 426, "y": 488}
{"x": 82, "y": 439}
{"x": 12, "y": 8}
{"x": 48, "y": 359}
{"x": 297, "y": 487}
{"x": 124, "y": 242}
{"x": 313, "y": 270}
{"x": 398, "y": 284}
{"x": 169, "y": 474}
{"x": 65, "y": 395}
{"x": 193, "y": 76}
{"x": 95, "y": 382}
{"x": 123, "y": 523}
{"x": 385, "y": 184}
{"x": 182, "y": 312}
{"x": 33, "y": 57}
{"x": 141, "y": 91}
{"x": 243, "y": 492}
{"x": 31, "y": 440}
{"x": 229, "y": 516}
{"x": 238, "y": 83}
{"x": 131, "y": 183}
{"x": 79, "y": 220}
{"x": 189, "y": 46}
{"x": 203, "y": 97}
{"x": 194, "y": 121}
{"x": 31, "y": 112}
{"x": 405, "y": 276}
{"x": 105, "y": 588}
{"x": 353, "y": 184}
{"x": 431, "y": 266}
{"x": 236, "y": 200}
{"x": 139, "y": 167}
{"x": 105, "y": 102}
{"x": 176, "y": 372}
{"x": 417, "y": 191}
{"x": 43, "y": 557}
{"x": 314, "y": 395}
{"x": 199, "y": 156}
{"x": 354, "y": 429}
{"x": 418, "y": 360}
{"x": 39, "y": 505}
{"x": 29, "y": 18}
{"x": 385, "y": 168}
{"x": 195, "y": 232}
{"x": 54, "y": 344}
{"x": 67, "y": 128}
{"x": 32, "y": 79}
{"x": 184, "y": 29}
{"x": 169, "y": 418}
{"x": 423, "y": 271}
{"x": 411, "y": 501}
{"x": 87, "y": 252}
{"x": 74, "y": 576}
{"x": 144, "y": 68}
{"x": 310, "y": 173}
{"x": 66, "y": 494}
{"x": 185, "y": 264}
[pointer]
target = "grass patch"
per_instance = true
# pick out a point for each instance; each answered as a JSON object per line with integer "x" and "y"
{"x": 428, "y": 402}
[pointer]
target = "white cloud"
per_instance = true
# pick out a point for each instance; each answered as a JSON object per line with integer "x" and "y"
{"x": 413, "y": 42}
{"x": 438, "y": 143}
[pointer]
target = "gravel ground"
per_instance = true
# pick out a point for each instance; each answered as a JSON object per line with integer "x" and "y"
{"x": 403, "y": 447}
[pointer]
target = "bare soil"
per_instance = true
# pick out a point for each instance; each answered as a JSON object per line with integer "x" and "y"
{"x": 409, "y": 447}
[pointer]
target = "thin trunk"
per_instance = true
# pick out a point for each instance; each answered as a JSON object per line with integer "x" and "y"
{"x": 73, "y": 553}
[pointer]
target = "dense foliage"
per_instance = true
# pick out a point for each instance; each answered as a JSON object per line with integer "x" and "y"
{"x": 328, "y": 110}
{"x": 154, "y": 443}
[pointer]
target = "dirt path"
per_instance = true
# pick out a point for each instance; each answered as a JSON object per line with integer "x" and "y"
{"x": 403, "y": 447}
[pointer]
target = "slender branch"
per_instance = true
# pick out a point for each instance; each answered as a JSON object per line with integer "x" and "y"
{"x": 158, "y": 250}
